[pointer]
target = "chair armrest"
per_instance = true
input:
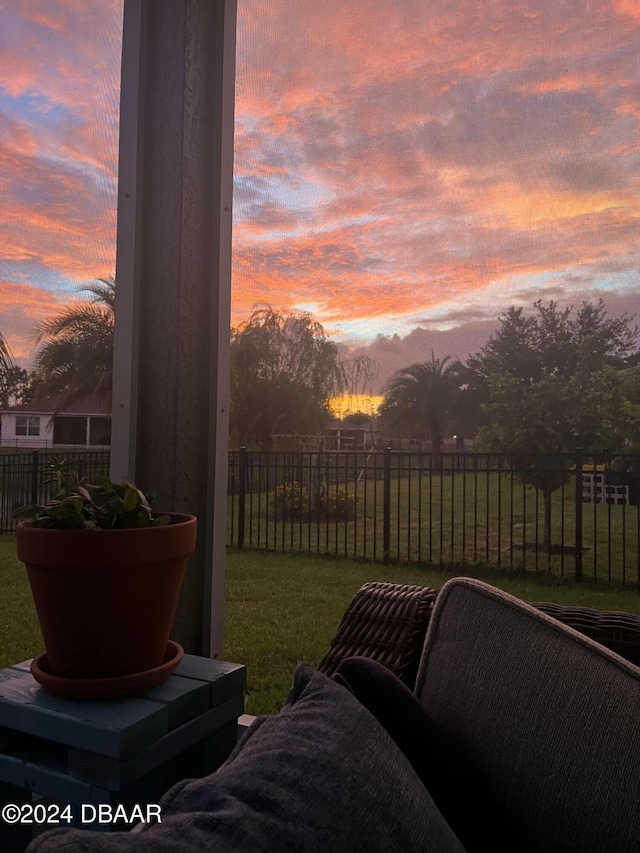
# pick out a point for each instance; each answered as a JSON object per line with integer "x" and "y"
{"x": 386, "y": 622}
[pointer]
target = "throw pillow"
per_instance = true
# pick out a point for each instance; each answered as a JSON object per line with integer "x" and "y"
{"x": 457, "y": 789}
{"x": 322, "y": 775}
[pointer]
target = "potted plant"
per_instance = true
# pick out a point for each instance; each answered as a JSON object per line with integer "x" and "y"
{"x": 105, "y": 573}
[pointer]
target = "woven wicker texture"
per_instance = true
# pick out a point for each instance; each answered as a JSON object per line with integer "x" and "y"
{"x": 618, "y": 631}
{"x": 386, "y": 622}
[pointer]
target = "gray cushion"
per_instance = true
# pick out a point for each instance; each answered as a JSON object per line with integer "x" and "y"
{"x": 322, "y": 776}
{"x": 549, "y": 719}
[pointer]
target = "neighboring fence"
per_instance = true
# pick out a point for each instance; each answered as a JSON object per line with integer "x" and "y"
{"x": 451, "y": 509}
{"x": 23, "y": 477}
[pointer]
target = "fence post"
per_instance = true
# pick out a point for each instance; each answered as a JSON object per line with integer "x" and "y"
{"x": 242, "y": 493}
{"x": 386, "y": 506}
{"x": 578, "y": 496}
{"x": 34, "y": 477}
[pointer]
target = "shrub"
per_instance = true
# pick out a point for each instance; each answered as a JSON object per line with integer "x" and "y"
{"x": 338, "y": 503}
{"x": 290, "y": 500}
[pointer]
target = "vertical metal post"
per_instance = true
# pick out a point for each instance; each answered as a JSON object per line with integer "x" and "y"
{"x": 34, "y": 477}
{"x": 386, "y": 505}
{"x": 242, "y": 493}
{"x": 578, "y": 503}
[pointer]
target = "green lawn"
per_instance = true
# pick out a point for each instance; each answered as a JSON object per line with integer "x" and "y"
{"x": 20, "y": 636}
{"x": 461, "y": 518}
{"x": 284, "y": 608}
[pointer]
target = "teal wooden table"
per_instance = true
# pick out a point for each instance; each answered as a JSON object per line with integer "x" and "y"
{"x": 69, "y": 758}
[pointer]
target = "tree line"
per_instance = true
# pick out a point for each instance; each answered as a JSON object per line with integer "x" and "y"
{"x": 547, "y": 383}
{"x": 549, "y": 379}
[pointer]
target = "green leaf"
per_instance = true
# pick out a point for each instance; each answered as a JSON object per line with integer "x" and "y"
{"x": 131, "y": 499}
{"x": 104, "y": 506}
{"x": 84, "y": 493}
{"x": 24, "y": 513}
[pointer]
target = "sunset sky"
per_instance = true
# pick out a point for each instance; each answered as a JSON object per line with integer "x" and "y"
{"x": 404, "y": 170}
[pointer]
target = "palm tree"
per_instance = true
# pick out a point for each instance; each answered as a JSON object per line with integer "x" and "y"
{"x": 6, "y": 360}
{"x": 420, "y": 400}
{"x": 76, "y": 356}
{"x": 6, "y": 368}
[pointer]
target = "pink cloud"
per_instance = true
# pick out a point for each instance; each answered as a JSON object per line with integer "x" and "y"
{"x": 59, "y": 78}
{"x": 22, "y": 307}
{"x": 455, "y": 149}
{"x": 628, "y": 9}
{"x": 391, "y": 159}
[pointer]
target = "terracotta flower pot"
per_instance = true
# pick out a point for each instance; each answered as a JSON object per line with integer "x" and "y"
{"x": 106, "y": 599}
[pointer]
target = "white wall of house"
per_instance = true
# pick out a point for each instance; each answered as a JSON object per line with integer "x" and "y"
{"x": 26, "y": 429}
{"x": 35, "y": 430}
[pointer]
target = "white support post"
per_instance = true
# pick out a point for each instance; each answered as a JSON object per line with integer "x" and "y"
{"x": 173, "y": 273}
{"x": 125, "y": 349}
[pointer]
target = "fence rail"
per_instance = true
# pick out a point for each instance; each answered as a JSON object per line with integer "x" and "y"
{"x": 454, "y": 509}
{"x": 444, "y": 509}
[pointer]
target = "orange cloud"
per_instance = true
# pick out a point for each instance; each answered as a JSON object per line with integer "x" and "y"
{"x": 392, "y": 160}
{"x": 397, "y": 158}
{"x": 22, "y": 307}
{"x": 628, "y": 8}
{"x": 45, "y": 19}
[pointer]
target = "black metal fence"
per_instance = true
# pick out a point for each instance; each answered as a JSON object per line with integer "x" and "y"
{"x": 24, "y": 476}
{"x": 445, "y": 509}
{"x": 451, "y": 509}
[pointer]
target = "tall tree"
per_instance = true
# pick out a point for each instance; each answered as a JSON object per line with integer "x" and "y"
{"x": 76, "y": 353}
{"x": 421, "y": 400}
{"x": 284, "y": 370}
{"x": 553, "y": 383}
{"x": 554, "y": 417}
{"x": 556, "y": 341}
{"x": 15, "y": 387}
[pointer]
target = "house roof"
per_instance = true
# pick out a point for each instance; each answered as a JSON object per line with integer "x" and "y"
{"x": 91, "y": 404}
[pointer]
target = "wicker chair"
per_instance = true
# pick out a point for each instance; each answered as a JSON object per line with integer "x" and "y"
{"x": 388, "y": 623}
{"x": 614, "y": 629}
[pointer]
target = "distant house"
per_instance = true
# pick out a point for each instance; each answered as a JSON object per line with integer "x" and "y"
{"x": 85, "y": 423}
{"x": 450, "y": 444}
{"x": 353, "y": 436}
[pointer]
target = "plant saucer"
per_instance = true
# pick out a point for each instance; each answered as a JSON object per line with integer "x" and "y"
{"x": 106, "y": 688}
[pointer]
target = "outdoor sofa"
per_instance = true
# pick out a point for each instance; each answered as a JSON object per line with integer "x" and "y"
{"x": 523, "y": 730}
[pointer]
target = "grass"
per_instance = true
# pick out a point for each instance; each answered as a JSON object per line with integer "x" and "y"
{"x": 284, "y": 608}
{"x": 469, "y": 517}
{"x": 20, "y": 637}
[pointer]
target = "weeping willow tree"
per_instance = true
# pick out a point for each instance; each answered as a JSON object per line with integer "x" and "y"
{"x": 284, "y": 371}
